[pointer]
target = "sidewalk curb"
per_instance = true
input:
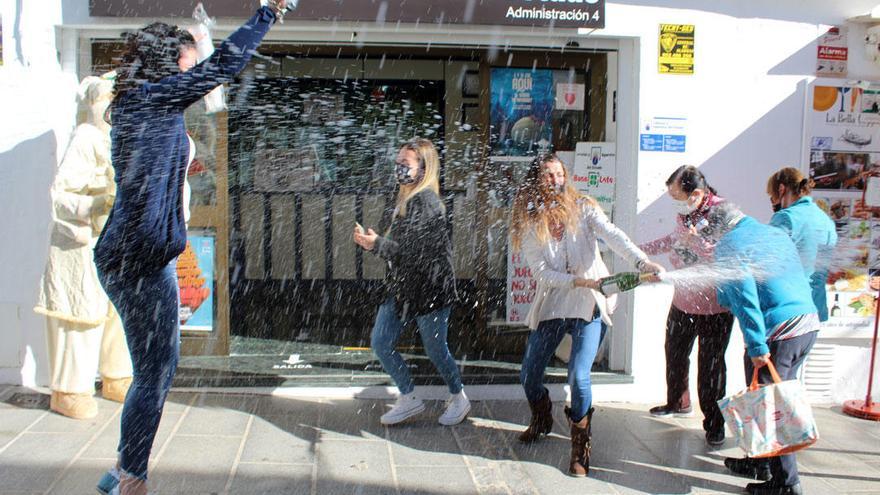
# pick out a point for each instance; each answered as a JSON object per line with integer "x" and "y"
{"x": 558, "y": 392}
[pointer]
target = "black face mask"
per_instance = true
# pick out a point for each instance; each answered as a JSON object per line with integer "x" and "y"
{"x": 777, "y": 207}
{"x": 403, "y": 177}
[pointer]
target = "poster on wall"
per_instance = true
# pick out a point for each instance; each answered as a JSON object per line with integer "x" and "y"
{"x": 844, "y": 136}
{"x": 676, "y": 50}
{"x": 570, "y": 96}
{"x": 851, "y": 293}
{"x": 521, "y": 287}
{"x": 595, "y": 169}
{"x": 842, "y": 156}
{"x": 832, "y": 53}
{"x": 521, "y": 110}
{"x": 664, "y": 134}
{"x": 195, "y": 278}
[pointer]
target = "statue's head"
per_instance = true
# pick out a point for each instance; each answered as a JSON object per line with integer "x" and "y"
{"x": 95, "y": 95}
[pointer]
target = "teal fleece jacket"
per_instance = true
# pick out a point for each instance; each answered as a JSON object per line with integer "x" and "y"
{"x": 814, "y": 236}
{"x": 764, "y": 284}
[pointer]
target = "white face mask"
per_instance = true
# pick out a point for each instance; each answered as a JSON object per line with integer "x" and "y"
{"x": 682, "y": 207}
{"x": 686, "y": 207}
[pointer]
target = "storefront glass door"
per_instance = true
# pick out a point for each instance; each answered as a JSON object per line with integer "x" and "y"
{"x": 306, "y": 150}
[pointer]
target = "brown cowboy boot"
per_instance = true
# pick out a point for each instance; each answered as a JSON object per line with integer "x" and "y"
{"x": 581, "y": 444}
{"x": 542, "y": 419}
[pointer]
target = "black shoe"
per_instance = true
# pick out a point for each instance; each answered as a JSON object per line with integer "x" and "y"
{"x": 667, "y": 410}
{"x": 768, "y": 488}
{"x": 715, "y": 438}
{"x": 749, "y": 468}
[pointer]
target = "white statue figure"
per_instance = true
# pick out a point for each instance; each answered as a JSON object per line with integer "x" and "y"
{"x": 83, "y": 330}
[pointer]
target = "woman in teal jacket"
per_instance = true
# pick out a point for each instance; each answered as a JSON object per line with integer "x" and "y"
{"x": 811, "y": 229}
{"x": 765, "y": 287}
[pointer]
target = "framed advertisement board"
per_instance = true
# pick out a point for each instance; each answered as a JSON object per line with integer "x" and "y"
{"x": 195, "y": 278}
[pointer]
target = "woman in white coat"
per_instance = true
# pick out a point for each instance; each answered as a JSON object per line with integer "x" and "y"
{"x": 84, "y": 333}
{"x": 558, "y": 230}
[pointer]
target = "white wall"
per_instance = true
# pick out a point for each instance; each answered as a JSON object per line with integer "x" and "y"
{"x": 744, "y": 105}
{"x": 38, "y": 111}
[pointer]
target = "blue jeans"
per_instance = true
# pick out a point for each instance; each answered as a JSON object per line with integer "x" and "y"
{"x": 148, "y": 306}
{"x": 432, "y": 327}
{"x": 787, "y": 356}
{"x": 585, "y": 337}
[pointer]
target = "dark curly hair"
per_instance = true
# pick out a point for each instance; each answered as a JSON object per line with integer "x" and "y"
{"x": 151, "y": 54}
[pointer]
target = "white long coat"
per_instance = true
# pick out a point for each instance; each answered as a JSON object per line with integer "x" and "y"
{"x": 69, "y": 289}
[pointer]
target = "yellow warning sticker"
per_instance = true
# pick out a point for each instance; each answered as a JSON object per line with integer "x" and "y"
{"x": 676, "y": 54}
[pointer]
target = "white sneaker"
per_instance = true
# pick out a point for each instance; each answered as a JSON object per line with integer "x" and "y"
{"x": 457, "y": 408}
{"x": 407, "y": 406}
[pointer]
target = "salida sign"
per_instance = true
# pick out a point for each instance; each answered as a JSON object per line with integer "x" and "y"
{"x": 549, "y": 13}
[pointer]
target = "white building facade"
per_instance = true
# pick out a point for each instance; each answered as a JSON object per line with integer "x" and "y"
{"x": 741, "y": 114}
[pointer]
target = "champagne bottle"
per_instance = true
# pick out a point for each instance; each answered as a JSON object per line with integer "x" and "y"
{"x": 622, "y": 282}
{"x": 835, "y": 310}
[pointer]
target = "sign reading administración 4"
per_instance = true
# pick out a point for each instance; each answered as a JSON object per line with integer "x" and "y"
{"x": 555, "y": 13}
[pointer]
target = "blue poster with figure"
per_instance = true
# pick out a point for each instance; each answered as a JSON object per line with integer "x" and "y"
{"x": 521, "y": 102}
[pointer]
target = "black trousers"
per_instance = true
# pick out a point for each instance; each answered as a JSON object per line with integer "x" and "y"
{"x": 787, "y": 356}
{"x": 713, "y": 332}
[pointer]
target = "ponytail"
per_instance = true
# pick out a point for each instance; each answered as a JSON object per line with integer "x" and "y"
{"x": 793, "y": 180}
{"x": 805, "y": 186}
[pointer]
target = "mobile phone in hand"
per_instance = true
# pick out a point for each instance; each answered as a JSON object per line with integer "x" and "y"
{"x": 359, "y": 228}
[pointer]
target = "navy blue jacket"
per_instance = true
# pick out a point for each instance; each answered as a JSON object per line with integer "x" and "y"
{"x": 418, "y": 250}
{"x": 146, "y": 229}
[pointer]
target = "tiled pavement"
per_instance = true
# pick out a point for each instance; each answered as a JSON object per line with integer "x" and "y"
{"x": 211, "y": 443}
